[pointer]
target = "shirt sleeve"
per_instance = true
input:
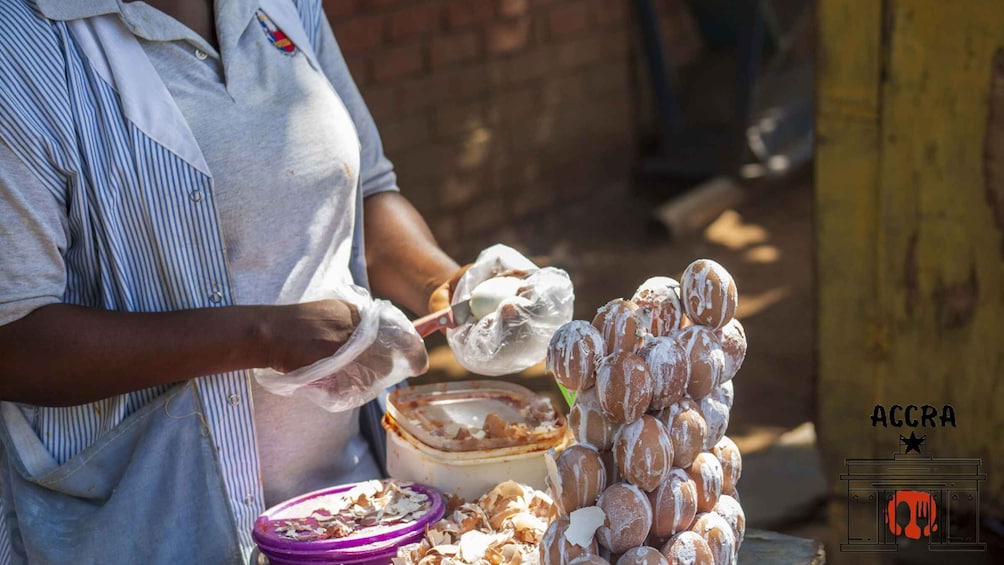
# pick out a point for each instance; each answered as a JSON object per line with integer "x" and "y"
{"x": 33, "y": 232}
{"x": 377, "y": 172}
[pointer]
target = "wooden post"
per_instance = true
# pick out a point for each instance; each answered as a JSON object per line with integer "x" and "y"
{"x": 910, "y": 232}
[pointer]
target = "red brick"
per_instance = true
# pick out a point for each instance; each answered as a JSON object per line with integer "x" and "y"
{"x": 384, "y": 5}
{"x": 578, "y": 52}
{"x": 358, "y": 68}
{"x": 608, "y": 14}
{"x": 340, "y": 9}
{"x": 513, "y": 8}
{"x": 404, "y": 134}
{"x": 459, "y": 190}
{"x": 607, "y": 77}
{"x": 445, "y": 227}
{"x": 447, "y": 86}
{"x": 467, "y": 12}
{"x": 454, "y": 119}
{"x": 474, "y": 152}
{"x": 507, "y": 36}
{"x": 562, "y": 89}
{"x": 381, "y": 101}
{"x": 516, "y": 104}
{"x": 424, "y": 195}
{"x": 422, "y": 164}
{"x": 529, "y": 65}
{"x": 569, "y": 19}
{"x": 398, "y": 62}
{"x": 533, "y": 199}
{"x": 360, "y": 34}
{"x": 451, "y": 49}
{"x": 423, "y": 19}
{"x": 482, "y": 216}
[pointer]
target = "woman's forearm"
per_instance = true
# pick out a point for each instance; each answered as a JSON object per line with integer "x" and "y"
{"x": 403, "y": 260}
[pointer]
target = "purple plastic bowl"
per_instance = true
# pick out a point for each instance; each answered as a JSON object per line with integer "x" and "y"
{"x": 376, "y": 549}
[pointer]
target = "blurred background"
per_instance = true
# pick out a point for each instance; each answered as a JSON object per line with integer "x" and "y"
{"x": 621, "y": 140}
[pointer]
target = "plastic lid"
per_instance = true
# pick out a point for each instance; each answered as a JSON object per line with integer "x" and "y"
{"x": 393, "y": 513}
{"x": 476, "y": 416}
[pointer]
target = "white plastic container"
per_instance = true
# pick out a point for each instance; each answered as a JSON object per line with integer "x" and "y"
{"x": 422, "y": 446}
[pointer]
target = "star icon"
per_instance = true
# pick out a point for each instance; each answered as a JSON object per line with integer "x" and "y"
{"x": 913, "y": 442}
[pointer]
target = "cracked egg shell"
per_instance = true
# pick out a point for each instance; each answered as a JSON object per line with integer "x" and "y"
{"x": 642, "y": 555}
{"x": 688, "y": 548}
{"x": 674, "y": 504}
{"x": 709, "y": 294}
{"x": 629, "y": 517}
{"x": 660, "y": 297}
{"x": 589, "y": 424}
{"x": 717, "y": 532}
{"x": 644, "y": 453}
{"x": 555, "y": 549}
{"x": 716, "y": 416}
{"x": 730, "y": 509}
{"x": 576, "y": 477}
{"x": 623, "y": 387}
{"x": 706, "y": 472}
{"x": 621, "y": 326}
{"x": 727, "y": 453}
{"x": 670, "y": 368}
{"x": 707, "y": 362}
{"x": 732, "y": 337}
{"x": 687, "y": 430}
{"x": 573, "y": 353}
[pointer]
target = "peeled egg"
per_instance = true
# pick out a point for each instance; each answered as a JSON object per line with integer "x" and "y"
{"x": 688, "y": 548}
{"x": 687, "y": 430}
{"x": 629, "y": 517}
{"x": 716, "y": 415}
{"x": 589, "y": 424}
{"x": 709, "y": 294}
{"x": 730, "y": 509}
{"x": 621, "y": 326}
{"x": 642, "y": 555}
{"x": 732, "y": 337}
{"x": 674, "y": 504}
{"x": 727, "y": 453}
{"x": 660, "y": 298}
{"x": 576, "y": 477}
{"x": 717, "y": 532}
{"x": 556, "y": 549}
{"x": 644, "y": 453}
{"x": 670, "y": 367}
{"x": 624, "y": 387}
{"x": 706, "y": 472}
{"x": 487, "y": 296}
{"x": 707, "y": 361}
{"x": 573, "y": 353}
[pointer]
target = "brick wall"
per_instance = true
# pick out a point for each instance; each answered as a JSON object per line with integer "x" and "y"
{"x": 495, "y": 112}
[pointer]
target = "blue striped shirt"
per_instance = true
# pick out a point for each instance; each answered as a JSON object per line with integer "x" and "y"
{"x": 95, "y": 128}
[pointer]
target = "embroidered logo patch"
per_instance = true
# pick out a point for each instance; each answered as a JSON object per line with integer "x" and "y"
{"x": 274, "y": 34}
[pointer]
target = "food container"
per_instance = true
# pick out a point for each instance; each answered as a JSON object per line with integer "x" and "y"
{"x": 464, "y": 438}
{"x": 333, "y": 526}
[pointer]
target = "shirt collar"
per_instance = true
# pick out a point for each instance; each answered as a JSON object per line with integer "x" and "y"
{"x": 64, "y": 11}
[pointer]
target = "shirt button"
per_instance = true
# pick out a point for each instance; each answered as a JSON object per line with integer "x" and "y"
{"x": 195, "y": 195}
{"x": 201, "y": 55}
{"x": 216, "y": 297}
{"x": 249, "y": 499}
{"x": 233, "y": 399}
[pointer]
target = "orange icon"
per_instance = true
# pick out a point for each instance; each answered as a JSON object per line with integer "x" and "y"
{"x": 923, "y": 514}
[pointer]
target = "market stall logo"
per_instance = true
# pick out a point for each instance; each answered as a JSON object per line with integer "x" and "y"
{"x": 274, "y": 34}
{"x": 913, "y": 495}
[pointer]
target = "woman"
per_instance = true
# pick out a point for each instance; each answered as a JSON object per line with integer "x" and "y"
{"x": 182, "y": 184}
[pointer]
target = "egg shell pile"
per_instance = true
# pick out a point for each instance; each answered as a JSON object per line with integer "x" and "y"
{"x": 654, "y": 390}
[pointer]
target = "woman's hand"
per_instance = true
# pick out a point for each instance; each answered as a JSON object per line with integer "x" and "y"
{"x": 297, "y": 335}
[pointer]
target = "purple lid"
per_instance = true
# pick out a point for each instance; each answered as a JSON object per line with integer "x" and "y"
{"x": 297, "y": 526}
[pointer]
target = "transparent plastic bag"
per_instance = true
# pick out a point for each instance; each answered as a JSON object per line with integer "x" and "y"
{"x": 382, "y": 351}
{"x": 516, "y": 335}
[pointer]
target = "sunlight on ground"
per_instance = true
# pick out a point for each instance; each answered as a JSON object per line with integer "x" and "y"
{"x": 730, "y": 231}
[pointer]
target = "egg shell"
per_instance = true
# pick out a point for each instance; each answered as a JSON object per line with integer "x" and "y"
{"x": 725, "y": 393}
{"x": 621, "y": 326}
{"x": 730, "y": 510}
{"x": 706, "y": 472}
{"x": 660, "y": 296}
{"x": 716, "y": 415}
{"x": 674, "y": 504}
{"x": 573, "y": 353}
{"x": 707, "y": 361}
{"x": 717, "y": 532}
{"x": 642, "y": 555}
{"x": 576, "y": 478}
{"x": 669, "y": 365}
{"x": 644, "y": 453}
{"x": 709, "y": 294}
{"x": 555, "y": 549}
{"x": 629, "y": 517}
{"x": 589, "y": 560}
{"x": 588, "y": 423}
{"x": 732, "y": 337}
{"x": 624, "y": 387}
{"x": 727, "y": 453}
{"x": 688, "y": 548}
{"x": 734, "y": 493}
{"x": 687, "y": 430}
